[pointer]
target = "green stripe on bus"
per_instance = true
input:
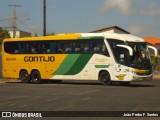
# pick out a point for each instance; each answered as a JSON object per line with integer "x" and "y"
{"x": 73, "y": 64}
{"x": 67, "y": 64}
{"x": 79, "y": 64}
{"x": 90, "y": 38}
{"x": 102, "y": 66}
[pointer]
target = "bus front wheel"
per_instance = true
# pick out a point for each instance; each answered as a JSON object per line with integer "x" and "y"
{"x": 35, "y": 77}
{"x": 24, "y": 76}
{"x": 105, "y": 78}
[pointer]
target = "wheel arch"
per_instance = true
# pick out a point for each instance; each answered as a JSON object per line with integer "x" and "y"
{"x": 34, "y": 70}
{"x": 101, "y": 71}
{"x": 23, "y": 70}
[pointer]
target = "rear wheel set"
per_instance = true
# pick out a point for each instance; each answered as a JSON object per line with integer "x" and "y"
{"x": 24, "y": 76}
{"x": 34, "y": 78}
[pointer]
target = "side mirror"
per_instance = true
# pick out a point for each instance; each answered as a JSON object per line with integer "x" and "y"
{"x": 153, "y": 48}
{"x": 128, "y": 48}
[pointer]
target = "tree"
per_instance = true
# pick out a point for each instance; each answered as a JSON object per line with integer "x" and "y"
{"x": 3, "y": 34}
{"x": 156, "y": 62}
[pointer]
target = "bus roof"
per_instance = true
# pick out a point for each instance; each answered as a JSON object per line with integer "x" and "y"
{"x": 80, "y": 36}
{"x": 124, "y": 37}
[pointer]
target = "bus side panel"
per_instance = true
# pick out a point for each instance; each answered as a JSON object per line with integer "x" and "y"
{"x": 9, "y": 67}
{"x": 52, "y": 67}
{"x": 99, "y": 63}
{"x": 10, "y": 70}
{"x": 12, "y": 64}
{"x": 85, "y": 67}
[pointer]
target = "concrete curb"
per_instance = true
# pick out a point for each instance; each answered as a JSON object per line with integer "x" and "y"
{"x": 8, "y": 80}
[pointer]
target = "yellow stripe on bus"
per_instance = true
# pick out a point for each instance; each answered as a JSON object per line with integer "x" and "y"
{"x": 54, "y": 37}
{"x": 140, "y": 71}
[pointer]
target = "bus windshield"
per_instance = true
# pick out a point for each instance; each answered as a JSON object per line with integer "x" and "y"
{"x": 140, "y": 58}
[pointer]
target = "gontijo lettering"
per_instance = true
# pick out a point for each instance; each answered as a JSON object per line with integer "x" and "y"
{"x": 39, "y": 59}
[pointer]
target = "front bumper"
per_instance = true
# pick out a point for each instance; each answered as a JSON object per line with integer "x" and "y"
{"x": 137, "y": 78}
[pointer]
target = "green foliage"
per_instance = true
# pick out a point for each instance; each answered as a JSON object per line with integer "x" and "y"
{"x": 3, "y": 34}
{"x": 156, "y": 62}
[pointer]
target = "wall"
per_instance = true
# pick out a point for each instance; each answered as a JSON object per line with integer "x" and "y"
{"x": 158, "y": 48}
{"x": 114, "y": 31}
{"x": 20, "y": 34}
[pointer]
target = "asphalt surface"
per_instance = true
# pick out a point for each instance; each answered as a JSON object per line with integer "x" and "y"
{"x": 80, "y": 96}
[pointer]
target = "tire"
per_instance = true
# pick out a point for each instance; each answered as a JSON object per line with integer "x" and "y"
{"x": 24, "y": 76}
{"x": 36, "y": 77}
{"x": 104, "y": 78}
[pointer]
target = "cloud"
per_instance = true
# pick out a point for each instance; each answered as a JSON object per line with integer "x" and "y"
{"x": 136, "y": 29}
{"x": 151, "y": 8}
{"x": 150, "y": 12}
{"x": 123, "y": 6}
{"x": 144, "y": 29}
{"x": 128, "y": 7}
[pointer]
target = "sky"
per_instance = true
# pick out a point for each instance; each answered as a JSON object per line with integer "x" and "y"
{"x": 140, "y": 17}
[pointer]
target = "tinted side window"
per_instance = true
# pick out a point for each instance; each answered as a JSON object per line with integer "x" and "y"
{"x": 82, "y": 47}
{"x": 42, "y": 47}
{"x": 77, "y": 47}
{"x": 121, "y": 54}
{"x": 52, "y": 47}
{"x": 11, "y": 47}
{"x": 48, "y": 47}
{"x": 57, "y": 47}
{"x": 64, "y": 47}
{"x": 99, "y": 47}
{"x": 85, "y": 47}
{"x": 23, "y": 47}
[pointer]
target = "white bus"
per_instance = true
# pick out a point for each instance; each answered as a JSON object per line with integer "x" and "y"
{"x": 106, "y": 57}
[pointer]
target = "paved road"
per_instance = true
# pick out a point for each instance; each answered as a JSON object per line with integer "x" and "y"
{"x": 81, "y": 96}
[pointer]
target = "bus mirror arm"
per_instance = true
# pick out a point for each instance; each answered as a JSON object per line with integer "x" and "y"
{"x": 153, "y": 48}
{"x": 128, "y": 48}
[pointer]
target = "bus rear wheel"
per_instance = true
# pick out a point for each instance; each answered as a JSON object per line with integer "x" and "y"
{"x": 35, "y": 77}
{"x": 105, "y": 78}
{"x": 24, "y": 76}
